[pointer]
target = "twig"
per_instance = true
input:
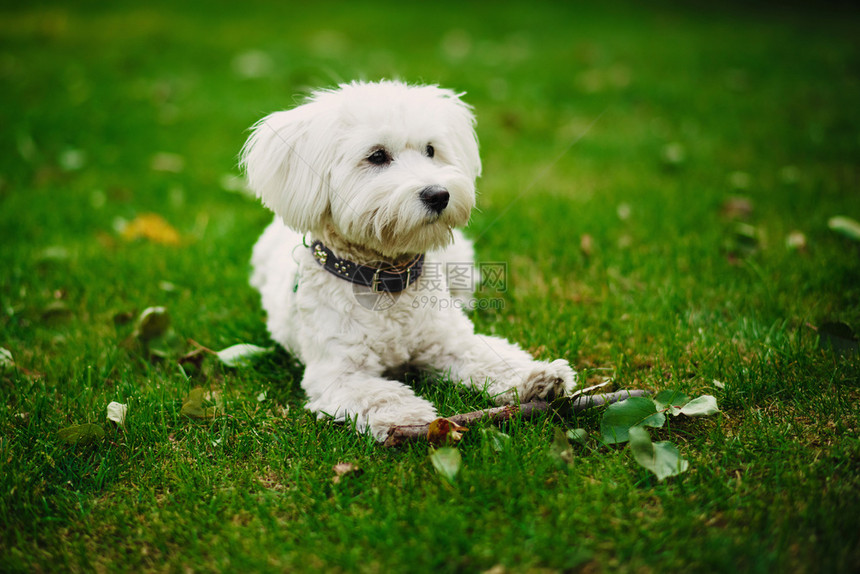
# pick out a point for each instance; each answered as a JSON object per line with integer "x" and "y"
{"x": 398, "y": 435}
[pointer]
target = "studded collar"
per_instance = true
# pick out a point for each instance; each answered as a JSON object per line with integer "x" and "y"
{"x": 388, "y": 278}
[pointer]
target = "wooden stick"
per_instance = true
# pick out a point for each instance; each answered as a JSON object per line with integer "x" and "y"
{"x": 397, "y": 435}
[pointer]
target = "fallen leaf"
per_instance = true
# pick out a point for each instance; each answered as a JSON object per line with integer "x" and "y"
{"x": 152, "y": 323}
{"x": 444, "y": 431}
{"x": 677, "y": 403}
{"x": 343, "y": 469}
{"x": 242, "y": 355}
{"x": 845, "y": 226}
{"x": 497, "y": 440}
{"x": 577, "y": 435}
{"x": 703, "y": 406}
{"x": 661, "y": 458}
{"x": 620, "y": 417}
{"x": 6, "y": 361}
{"x": 81, "y": 434}
{"x": 447, "y": 461}
{"x": 116, "y": 412}
{"x": 671, "y": 400}
{"x": 149, "y": 226}
{"x": 192, "y": 406}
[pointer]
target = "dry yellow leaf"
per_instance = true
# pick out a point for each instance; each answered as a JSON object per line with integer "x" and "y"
{"x": 152, "y": 227}
{"x": 444, "y": 431}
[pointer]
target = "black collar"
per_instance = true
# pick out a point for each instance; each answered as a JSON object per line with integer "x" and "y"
{"x": 390, "y": 278}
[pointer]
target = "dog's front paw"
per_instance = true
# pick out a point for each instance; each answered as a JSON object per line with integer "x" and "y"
{"x": 548, "y": 381}
{"x": 417, "y": 412}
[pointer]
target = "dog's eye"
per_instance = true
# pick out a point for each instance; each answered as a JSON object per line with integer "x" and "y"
{"x": 379, "y": 157}
{"x": 430, "y": 151}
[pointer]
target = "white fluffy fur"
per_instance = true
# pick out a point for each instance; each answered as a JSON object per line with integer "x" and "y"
{"x": 310, "y": 166}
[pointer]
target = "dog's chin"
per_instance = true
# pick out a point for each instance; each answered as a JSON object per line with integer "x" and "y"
{"x": 433, "y": 233}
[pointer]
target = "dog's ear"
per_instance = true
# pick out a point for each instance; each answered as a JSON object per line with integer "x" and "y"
{"x": 462, "y": 132}
{"x": 287, "y": 164}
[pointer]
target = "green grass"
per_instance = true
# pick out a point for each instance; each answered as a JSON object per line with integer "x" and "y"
{"x": 578, "y": 108}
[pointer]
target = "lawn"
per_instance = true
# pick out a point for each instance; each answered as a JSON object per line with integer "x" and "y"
{"x": 659, "y": 184}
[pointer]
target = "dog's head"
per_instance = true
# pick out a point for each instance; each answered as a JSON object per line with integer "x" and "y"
{"x": 388, "y": 165}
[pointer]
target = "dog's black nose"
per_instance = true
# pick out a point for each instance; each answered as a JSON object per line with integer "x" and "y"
{"x": 435, "y": 197}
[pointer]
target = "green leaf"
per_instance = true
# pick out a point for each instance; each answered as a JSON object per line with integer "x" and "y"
{"x": 577, "y": 435}
{"x": 677, "y": 403}
{"x": 81, "y": 434}
{"x": 192, "y": 406}
{"x": 620, "y": 417}
{"x": 6, "y": 361}
{"x": 661, "y": 458}
{"x": 498, "y": 440}
{"x": 845, "y": 226}
{"x": 447, "y": 462}
{"x": 703, "y": 406}
{"x": 668, "y": 398}
{"x": 242, "y": 355}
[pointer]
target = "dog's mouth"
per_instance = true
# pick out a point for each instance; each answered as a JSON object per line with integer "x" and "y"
{"x": 402, "y": 226}
{"x": 432, "y": 218}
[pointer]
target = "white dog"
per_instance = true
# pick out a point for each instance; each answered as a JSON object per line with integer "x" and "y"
{"x": 368, "y": 182}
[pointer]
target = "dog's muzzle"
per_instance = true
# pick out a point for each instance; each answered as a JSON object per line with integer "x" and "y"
{"x": 435, "y": 197}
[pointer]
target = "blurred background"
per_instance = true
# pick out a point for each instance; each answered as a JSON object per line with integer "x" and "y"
{"x": 91, "y": 85}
